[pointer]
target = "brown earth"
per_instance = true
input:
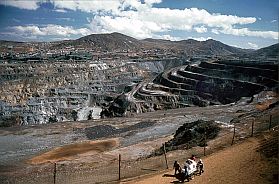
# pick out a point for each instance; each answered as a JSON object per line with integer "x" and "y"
{"x": 266, "y": 103}
{"x": 243, "y": 163}
{"x": 71, "y": 151}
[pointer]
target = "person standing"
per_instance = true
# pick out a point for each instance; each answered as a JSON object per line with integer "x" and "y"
{"x": 193, "y": 157}
{"x": 186, "y": 170}
{"x": 200, "y": 165}
{"x": 176, "y": 167}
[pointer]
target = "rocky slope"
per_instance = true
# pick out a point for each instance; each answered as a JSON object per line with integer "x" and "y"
{"x": 208, "y": 83}
{"x": 267, "y": 52}
{"x": 190, "y": 135}
{"x": 194, "y": 47}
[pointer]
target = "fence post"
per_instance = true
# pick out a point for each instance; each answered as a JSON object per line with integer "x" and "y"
{"x": 164, "y": 146}
{"x": 54, "y": 173}
{"x": 252, "y": 134}
{"x": 270, "y": 121}
{"x": 204, "y": 143}
{"x": 233, "y": 133}
{"x": 119, "y": 164}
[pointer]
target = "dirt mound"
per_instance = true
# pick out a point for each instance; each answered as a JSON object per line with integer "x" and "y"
{"x": 191, "y": 134}
{"x": 72, "y": 151}
{"x": 101, "y": 131}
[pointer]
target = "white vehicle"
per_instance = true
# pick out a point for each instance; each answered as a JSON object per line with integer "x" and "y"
{"x": 191, "y": 167}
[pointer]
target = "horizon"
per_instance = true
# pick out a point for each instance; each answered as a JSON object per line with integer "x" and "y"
{"x": 135, "y": 38}
{"x": 245, "y": 26}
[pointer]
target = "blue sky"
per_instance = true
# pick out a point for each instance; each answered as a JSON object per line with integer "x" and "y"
{"x": 241, "y": 23}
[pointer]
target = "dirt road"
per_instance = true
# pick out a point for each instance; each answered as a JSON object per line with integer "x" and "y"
{"x": 240, "y": 164}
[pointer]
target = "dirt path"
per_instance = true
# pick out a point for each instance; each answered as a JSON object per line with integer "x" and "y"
{"x": 240, "y": 163}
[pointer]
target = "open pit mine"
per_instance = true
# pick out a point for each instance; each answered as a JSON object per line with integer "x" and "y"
{"x": 81, "y": 103}
{"x": 41, "y": 93}
{"x": 199, "y": 84}
{"x": 89, "y": 79}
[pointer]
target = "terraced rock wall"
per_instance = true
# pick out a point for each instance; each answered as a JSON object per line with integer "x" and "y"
{"x": 209, "y": 83}
{"x": 40, "y": 93}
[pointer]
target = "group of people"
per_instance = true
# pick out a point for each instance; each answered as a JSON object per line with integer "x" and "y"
{"x": 191, "y": 167}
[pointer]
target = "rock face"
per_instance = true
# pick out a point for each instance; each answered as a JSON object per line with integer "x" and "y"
{"x": 207, "y": 83}
{"x": 191, "y": 134}
{"x": 41, "y": 93}
{"x": 117, "y": 107}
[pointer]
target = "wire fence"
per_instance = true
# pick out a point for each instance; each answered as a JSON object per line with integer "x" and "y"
{"x": 121, "y": 168}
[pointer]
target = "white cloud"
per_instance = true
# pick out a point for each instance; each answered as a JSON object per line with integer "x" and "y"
{"x": 201, "y": 39}
{"x": 28, "y": 5}
{"x": 273, "y": 21}
{"x": 60, "y": 10}
{"x": 49, "y": 30}
{"x": 107, "y": 24}
{"x": 65, "y": 19}
{"x": 59, "y": 38}
{"x": 150, "y": 2}
{"x": 215, "y": 31}
{"x": 200, "y": 29}
{"x": 140, "y": 19}
{"x": 253, "y": 45}
{"x": 28, "y": 30}
{"x": 237, "y": 46}
{"x": 187, "y": 18}
{"x": 88, "y": 6}
{"x": 168, "y": 37}
{"x": 60, "y": 5}
{"x": 141, "y": 23}
{"x": 247, "y": 32}
{"x": 133, "y": 27}
{"x": 22, "y": 4}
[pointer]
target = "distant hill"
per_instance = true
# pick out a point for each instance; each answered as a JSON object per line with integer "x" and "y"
{"x": 194, "y": 47}
{"x": 267, "y": 52}
{"x": 211, "y": 47}
{"x": 110, "y": 41}
{"x": 118, "y": 42}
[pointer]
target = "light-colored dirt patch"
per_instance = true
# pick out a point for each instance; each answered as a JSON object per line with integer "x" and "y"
{"x": 139, "y": 150}
{"x": 72, "y": 151}
{"x": 264, "y": 105}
